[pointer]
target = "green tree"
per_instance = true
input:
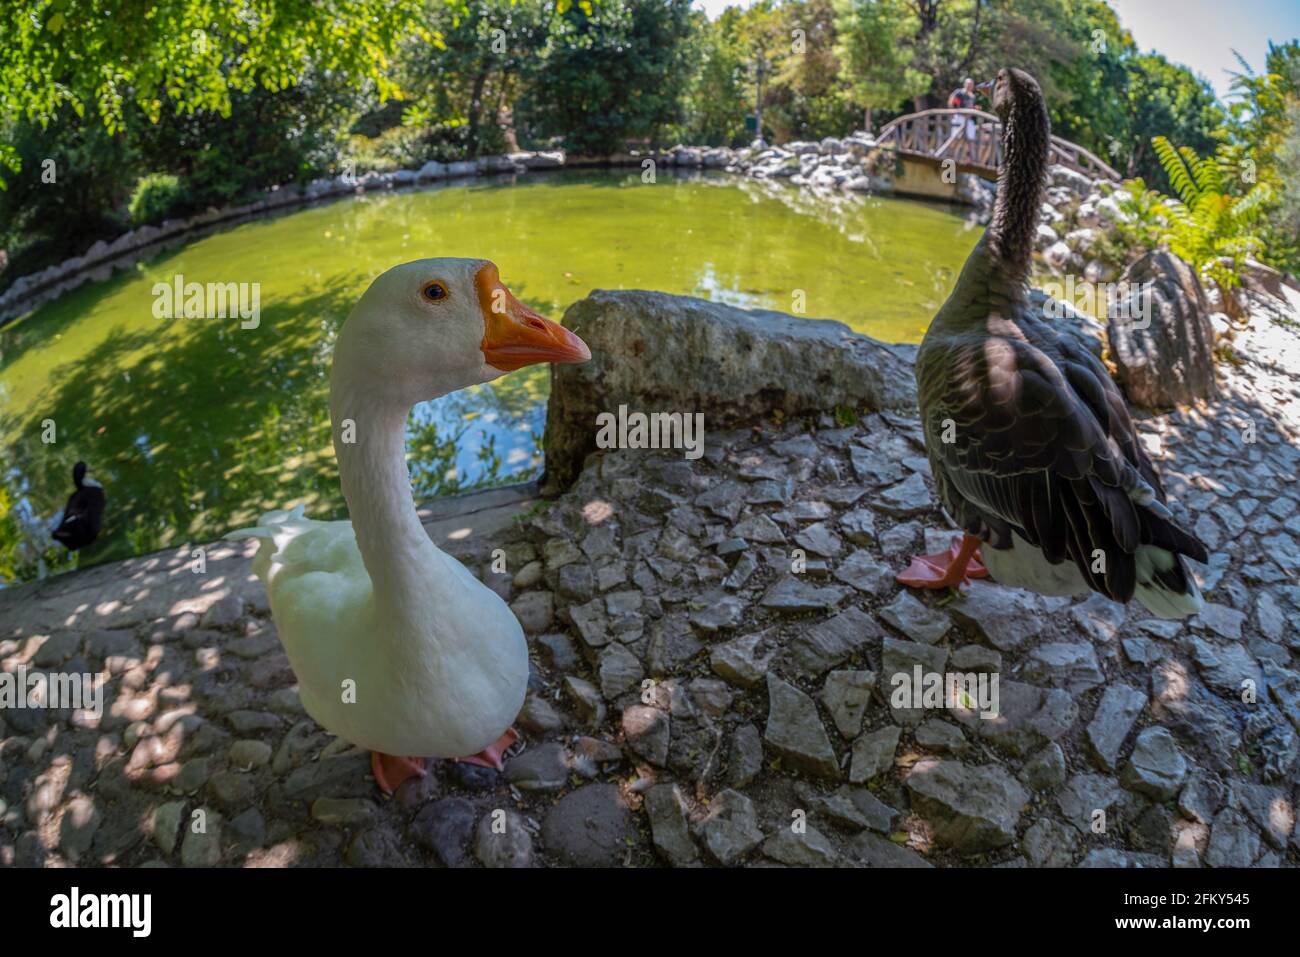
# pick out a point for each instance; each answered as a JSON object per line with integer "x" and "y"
{"x": 807, "y": 97}
{"x": 463, "y": 87}
{"x": 872, "y": 37}
{"x": 717, "y": 95}
{"x": 268, "y": 137}
{"x": 1085, "y": 107}
{"x": 72, "y": 175}
{"x": 609, "y": 72}
{"x": 1266, "y": 132}
{"x": 1105, "y": 94}
{"x": 98, "y": 56}
{"x": 1164, "y": 99}
{"x": 766, "y": 45}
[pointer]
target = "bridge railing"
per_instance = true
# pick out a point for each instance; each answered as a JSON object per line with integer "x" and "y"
{"x": 973, "y": 139}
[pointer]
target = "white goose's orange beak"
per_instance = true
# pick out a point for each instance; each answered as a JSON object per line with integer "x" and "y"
{"x": 516, "y": 336}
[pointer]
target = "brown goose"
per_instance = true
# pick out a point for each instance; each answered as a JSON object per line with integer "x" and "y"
{"x": 1032, "y": 448}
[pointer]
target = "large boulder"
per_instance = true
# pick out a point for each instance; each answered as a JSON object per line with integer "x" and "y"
{"x": 671, "y": 354}
{"x": 1164, "y": 347}
{"x": 1260, "y": 279}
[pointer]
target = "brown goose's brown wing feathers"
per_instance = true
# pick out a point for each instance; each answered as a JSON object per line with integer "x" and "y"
{"x": 1028, "y": 433}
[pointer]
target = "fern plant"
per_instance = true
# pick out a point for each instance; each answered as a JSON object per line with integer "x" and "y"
{"x": 1209, "y": 227}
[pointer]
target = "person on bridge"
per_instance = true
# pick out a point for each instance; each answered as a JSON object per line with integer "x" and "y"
{"x": 963, "y": 98}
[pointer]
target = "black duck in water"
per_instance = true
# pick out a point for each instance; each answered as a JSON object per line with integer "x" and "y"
{"x": 84, "y": 514}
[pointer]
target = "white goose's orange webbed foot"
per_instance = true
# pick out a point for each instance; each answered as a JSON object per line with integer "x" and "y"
{"x": 390, "y": 771}
{"x": 492, "y": 756}
{"x": 951, "y": 569}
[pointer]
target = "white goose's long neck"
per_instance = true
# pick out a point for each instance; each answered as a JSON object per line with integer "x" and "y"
{"x": 377, "y": 486}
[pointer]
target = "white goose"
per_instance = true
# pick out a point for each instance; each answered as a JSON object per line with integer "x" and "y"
{"x": 396, "y": 647}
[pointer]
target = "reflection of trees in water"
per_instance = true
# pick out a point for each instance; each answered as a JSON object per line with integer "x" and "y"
{"x": 25, "y": 542}
{"x": 202, "y": 429}
{"x": 456, "y": 442}
{"x": 878, "y": 226}
{"x": 431, "y": 457}
{"x": 193, "y": 430}
{"x": 842, "y": 211}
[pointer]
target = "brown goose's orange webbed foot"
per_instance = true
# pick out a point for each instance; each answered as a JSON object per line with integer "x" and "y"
{"x": 951, "y": 569}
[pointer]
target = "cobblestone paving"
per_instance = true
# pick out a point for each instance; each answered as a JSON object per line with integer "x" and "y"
{"x": 712, "y": 647}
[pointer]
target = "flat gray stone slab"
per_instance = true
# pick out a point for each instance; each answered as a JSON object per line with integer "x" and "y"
{"x": 971, "y": 808}
{"x": 795, "y": 730}
{"x": 1120, "y": 705}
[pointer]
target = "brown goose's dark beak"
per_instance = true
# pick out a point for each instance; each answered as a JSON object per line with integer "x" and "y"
{"x": 985, "y": 87}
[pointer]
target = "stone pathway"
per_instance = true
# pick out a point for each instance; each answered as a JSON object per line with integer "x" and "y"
{"x": 704, "y": 694}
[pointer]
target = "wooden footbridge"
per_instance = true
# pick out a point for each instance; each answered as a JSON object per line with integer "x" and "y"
{"x": 973, "y": 140}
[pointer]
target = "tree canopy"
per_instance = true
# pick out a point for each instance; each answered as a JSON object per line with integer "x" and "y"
{"x": 206, "y": 101}
{"x": 98, "y": 56}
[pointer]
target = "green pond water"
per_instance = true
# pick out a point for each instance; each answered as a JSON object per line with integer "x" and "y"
{"x": 196, "y": 426}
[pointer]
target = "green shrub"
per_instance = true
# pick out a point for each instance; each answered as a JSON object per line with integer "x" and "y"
{"x": 1210, "y": 227}
{"x": 157, "y": 196}
{"x": 45, "y": 219}
{"x": 1145, "y": 223}
{"x": 269, "y": 138}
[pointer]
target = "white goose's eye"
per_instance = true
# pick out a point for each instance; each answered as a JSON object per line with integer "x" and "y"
{"x": 434, "y": 291}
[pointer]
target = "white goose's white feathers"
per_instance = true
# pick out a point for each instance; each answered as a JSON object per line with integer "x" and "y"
{"x": 447, "y": 691}
{"x": 396, "y": 646}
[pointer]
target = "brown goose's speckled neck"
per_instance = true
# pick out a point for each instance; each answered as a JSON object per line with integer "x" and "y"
{"x": 1026, "y": 137}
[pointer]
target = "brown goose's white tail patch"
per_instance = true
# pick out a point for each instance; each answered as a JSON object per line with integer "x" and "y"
{"x": 1024, "y": 566}
{"x": 1160, "y": 599}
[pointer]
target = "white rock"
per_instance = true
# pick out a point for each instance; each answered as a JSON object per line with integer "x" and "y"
{"x": 822, "y": 176}
{"x": 546, "y": 159}
{"x": 1057, "y": 256}
{"x": 860, "y": 143}
{"x": 1087, "y": 216}
{"x": 1098, "y": 271}
{"x": 1059, "y": 196}
{"x": 1108, "y": 210}
{"x": 1081, "y": 240}
{"x": 1065, "y": 177}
